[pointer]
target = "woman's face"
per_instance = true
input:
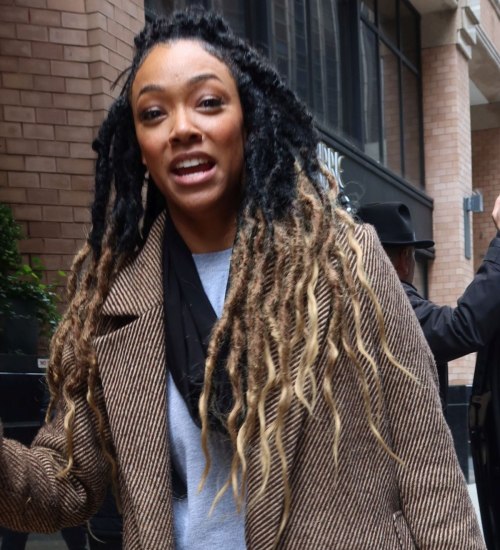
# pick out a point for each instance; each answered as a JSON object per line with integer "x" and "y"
{"x": 189, "y": 125}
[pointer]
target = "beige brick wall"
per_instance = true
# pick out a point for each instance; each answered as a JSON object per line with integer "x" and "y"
{"x": 486, "y": 178}
{"x": 58, "y": 59}
{"x": 490, "y": 21}
{"x": 447, "y": 141}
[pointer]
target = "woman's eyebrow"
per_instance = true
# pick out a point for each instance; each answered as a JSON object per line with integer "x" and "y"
{"x": 202, "y": 77}
{"x": 193, "y": 80}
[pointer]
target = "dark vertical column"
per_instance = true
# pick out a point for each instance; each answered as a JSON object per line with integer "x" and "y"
{"x": 354, "y": 76}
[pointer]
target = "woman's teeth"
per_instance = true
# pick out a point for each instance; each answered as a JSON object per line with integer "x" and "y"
{"x": 193, "y": 174}
{"x": 189, "y": 163}
{"x": 193, "y": 167}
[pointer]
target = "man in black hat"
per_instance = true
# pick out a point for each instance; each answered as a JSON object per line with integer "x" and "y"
{"x": 450, "y": 332}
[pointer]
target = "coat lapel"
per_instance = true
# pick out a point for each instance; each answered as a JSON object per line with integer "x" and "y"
{"x": 133, "y": 373}
{"x": 138, "y": 285}
{"x": 263, "y": 519}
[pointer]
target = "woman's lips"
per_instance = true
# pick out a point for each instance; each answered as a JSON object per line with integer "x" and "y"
{"x": 194, "y": 174}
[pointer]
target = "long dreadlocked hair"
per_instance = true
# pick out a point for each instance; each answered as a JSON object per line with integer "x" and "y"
{"x": 287, "y": 220}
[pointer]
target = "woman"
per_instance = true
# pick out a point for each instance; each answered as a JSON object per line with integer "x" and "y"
{"x": 317, "y": 408}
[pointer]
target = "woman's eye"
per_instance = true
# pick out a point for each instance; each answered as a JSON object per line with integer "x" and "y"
{"x": 211, "y": 103}
{"x": 150, "y": 114}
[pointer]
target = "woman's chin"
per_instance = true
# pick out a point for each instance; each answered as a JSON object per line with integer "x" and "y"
{"x": 203, "y": 201}
{"x": 198, "y": 205}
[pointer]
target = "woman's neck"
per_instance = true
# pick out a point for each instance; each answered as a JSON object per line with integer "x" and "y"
{"x": 204, "y": 234}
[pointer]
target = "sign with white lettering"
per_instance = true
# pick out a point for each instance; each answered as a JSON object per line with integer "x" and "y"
{"x": 333, "y": 161}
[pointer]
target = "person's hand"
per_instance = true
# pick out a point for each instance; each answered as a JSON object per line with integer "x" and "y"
{"x": 496, "y": 213}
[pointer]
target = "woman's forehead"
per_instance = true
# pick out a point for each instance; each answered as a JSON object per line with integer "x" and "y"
{"x": 178, "y": 62}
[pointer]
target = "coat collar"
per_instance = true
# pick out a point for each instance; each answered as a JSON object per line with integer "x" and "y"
{"x": 135, "y": 388}
{"x": 138, "y": 285}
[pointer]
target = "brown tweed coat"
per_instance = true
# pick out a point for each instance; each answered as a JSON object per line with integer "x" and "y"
{"x": 372, "y": 502}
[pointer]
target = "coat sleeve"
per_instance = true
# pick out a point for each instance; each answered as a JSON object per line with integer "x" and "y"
{"x": 455, "y": 332}
{"x": 433, "y": 492}
{"x": 32, "y": 497}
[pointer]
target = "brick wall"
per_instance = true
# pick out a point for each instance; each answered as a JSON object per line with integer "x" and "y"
{"x": 490, "y": 21}
{"x": 486, "y": 178}
{"x": 447, "y": 140}
{"x": 58, "y": 59}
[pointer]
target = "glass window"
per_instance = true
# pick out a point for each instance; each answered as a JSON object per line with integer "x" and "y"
{"x": 389, "y": 68}
{"x": 409, "y": 26}
{"x": 420, "y": 278}
{"x": 370, "y": 93}
{"x": 411, "y": 127}
{"x": 356, "y": 65}
{"x": 327, "y": 66}
{"x": 368, "y": 9}
{"x": 387, "y": 21}
{"x": 165, "y": 7}
{"x": 234, "y": 12}
{"x": 333, "y": 66}
{"x": 289, "y": 44}
{"x": 400, "y": 87}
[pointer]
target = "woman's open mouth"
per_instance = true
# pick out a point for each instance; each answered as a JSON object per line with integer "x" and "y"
{"x": 192, "y": 171}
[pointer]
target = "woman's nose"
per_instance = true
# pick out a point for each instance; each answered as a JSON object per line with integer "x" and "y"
{"x": 183, "y": 130}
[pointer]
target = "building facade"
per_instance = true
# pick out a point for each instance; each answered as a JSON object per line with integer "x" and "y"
{"x": 406, "y": 96}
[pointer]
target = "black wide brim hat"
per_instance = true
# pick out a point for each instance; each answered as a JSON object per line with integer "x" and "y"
{"x": 392, "y": 221}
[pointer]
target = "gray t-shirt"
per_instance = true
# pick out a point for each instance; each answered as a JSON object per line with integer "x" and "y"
{"x": 193, "y": 529}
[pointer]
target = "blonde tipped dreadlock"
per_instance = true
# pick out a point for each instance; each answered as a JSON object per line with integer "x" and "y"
{"x": 287, "y": 241}
{"x": 81, "y": 322}
{"x": 299, "y": 248}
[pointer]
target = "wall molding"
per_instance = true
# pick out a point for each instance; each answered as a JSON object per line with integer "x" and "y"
{"x": 496, "y": 6}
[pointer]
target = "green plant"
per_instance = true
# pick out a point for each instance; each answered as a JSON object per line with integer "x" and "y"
{"x": 18, "y": 281}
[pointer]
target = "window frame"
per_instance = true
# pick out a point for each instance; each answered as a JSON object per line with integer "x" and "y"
{"x": 258, "y": 30}
{"x": 422, "y": 257}
{"x": 396, "y": 49}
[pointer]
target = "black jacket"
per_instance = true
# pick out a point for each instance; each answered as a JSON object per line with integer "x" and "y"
{"x": 469, "y": 327}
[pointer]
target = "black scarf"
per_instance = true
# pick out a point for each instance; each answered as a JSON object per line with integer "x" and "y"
{"x": 189, "y": 320}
